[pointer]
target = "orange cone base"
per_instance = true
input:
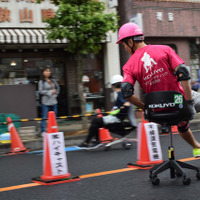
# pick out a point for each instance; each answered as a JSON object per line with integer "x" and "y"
{"x": 137, "y": 166}
{"x": 144, "y": 165}
{"x": 50, "y": 178}
{"x": 18, "y": 152}
{"x": 54, "y": 182}
{"x": 149, "y": 162}
{"x": 174, "y": 133}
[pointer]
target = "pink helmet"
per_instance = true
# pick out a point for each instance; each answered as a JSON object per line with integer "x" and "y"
{"x": 128, "y": 30}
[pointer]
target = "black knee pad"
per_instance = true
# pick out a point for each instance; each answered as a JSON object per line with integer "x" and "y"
{"x": 182, "y": 128}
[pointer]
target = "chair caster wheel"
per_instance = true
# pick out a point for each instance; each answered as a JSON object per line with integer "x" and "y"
{"x": 198, "y": 175}
{"x": 155, "y": 181}
{"x": 178, "y": 174}
{"x": 127, "y": 145}
{"x": 186, "y": 181}
{"x": 150, "y": 175}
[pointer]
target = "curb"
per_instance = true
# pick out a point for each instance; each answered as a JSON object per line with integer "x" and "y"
{"x": 73, "y": 140}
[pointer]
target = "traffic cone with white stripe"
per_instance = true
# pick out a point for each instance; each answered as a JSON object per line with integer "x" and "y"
{"x": 54, "y": 158}
{"x": 144, "y": 161}
{"x": 17, "y": 147}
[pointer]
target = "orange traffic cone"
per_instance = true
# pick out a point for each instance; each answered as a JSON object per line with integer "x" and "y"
{"x": 98, "y": 111}
{"x": 174, "y": 130}
{"x": 17, "y": 146}
{"x": 104, "y": 135}
{"x": 54, "y": 159}
{"x": 143, "y": 155}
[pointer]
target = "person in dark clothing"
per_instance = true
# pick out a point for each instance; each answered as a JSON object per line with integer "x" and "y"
{"x": 114, "y": 121}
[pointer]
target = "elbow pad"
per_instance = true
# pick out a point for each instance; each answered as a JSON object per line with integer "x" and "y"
{"x": 182, "y": 73}
{"x": 127, "y": 89}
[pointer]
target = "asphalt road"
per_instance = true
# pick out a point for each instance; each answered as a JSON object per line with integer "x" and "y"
{"x": 114, "y": 183}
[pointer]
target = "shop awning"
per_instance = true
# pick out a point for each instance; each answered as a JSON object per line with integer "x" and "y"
{"x": 26, "y": 36}
{"x": 31, "y": 36}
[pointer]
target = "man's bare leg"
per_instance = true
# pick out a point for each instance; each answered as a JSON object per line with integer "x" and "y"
{"x": 189, "y": 138}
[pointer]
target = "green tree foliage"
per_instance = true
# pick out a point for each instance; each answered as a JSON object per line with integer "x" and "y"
{"x": 83, "y": 23}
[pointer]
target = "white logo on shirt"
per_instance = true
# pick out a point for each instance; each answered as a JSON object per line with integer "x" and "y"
{"x": 148, "y": 62}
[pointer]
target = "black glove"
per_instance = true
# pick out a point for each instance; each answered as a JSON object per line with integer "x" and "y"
{"x": 191, "y": 109}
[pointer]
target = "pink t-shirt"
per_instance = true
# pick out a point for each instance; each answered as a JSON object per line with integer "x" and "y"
{"x": 153, "y": 67}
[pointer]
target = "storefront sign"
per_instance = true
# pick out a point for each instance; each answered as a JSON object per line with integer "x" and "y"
{"x": 20, "y": 13}
{"x": 159, "y": 16}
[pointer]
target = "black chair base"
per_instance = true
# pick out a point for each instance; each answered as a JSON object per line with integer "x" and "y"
{"x": 168, "y": 108}
{"x": 175, "y": 170}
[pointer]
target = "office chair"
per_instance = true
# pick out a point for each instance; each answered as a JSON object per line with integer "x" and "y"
{"x": 123, "y": 129}
{"x": 168, "y": 108}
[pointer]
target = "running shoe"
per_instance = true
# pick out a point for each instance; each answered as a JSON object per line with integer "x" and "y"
{"x": 196, "y": 153}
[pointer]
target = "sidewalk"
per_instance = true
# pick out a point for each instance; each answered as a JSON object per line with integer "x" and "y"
{"x": 74, "y": 134}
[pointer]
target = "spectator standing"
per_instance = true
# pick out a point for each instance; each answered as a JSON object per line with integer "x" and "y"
{"x": 49, "y": 91}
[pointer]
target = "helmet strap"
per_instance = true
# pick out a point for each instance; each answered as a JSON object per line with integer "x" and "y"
{"x": 126, "y": 42}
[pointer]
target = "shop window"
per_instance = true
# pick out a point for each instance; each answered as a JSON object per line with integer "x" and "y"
{"x": 93, "y": 69}
{"x": 33, "y": 68}
{"x": 11, "y": 71}
{"x": 93, "y": 83}
{"x": 28, "y": 70}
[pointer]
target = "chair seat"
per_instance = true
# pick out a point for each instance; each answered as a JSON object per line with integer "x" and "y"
{"x": 163, "y": 107}
{"x": 165, "y": 118}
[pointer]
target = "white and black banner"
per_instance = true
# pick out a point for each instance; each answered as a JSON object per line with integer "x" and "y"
{"x": 57, "y": 153}
{"x": 153, "y": 141}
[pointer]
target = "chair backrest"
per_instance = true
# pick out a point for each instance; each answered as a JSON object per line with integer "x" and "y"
{"x": 166, "y": 107}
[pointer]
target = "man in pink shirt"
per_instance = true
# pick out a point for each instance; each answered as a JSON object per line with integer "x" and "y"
{"x": 156, "y": 68}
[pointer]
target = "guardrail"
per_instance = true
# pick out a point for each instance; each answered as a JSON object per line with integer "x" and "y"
{"x": 61, "y": 117}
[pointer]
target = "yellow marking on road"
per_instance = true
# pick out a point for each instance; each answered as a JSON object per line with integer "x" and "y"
{"x": 16, "y": 187}
{"x": 82, "y": 177}
{"x": 189, "y": 159}
{"x": 107, "y": 172}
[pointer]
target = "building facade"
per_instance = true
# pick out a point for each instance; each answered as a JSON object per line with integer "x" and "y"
{"x": 25, "y": 49}
{"x": 168, "y": 22}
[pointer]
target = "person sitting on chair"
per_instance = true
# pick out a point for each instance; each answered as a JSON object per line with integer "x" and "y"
{"x": 115, "y": 121}
{"x": 156, "y": 68}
